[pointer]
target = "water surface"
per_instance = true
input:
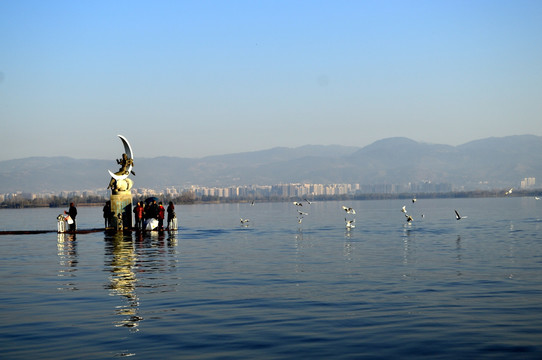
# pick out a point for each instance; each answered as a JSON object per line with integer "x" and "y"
{"x": 277, "y": 289}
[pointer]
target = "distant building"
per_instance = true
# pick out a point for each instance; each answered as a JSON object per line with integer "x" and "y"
{"x": 28, "y": 196}
{"x": 528, "y": 183}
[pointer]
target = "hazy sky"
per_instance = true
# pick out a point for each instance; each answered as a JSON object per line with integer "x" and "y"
{"x": 197, "y": 78}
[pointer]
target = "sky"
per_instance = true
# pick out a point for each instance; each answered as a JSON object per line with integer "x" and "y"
{"x": 199, "y": 78}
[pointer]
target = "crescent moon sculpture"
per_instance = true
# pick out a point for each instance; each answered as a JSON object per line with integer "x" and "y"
{"x": 128, "y": 151}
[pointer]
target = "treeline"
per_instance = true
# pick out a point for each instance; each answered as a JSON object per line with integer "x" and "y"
{"x": 90, "y": 200}
{"x": 50, "y": 201}
{"x": 190, "y": 198}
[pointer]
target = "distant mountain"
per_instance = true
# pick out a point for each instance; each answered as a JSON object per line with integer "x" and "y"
{"x": 495, "y": 162}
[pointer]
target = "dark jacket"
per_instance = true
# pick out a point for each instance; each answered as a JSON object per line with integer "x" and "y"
{"x": 72, "y": 212}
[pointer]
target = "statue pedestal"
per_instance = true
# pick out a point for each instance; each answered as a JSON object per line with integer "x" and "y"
{"x": 121, "y": 209}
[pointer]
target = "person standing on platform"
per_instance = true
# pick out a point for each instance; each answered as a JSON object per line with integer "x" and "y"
{"x": 153, "y": 210}
{"x": 161, "y": 215}
{"x": 146, "y": 214}
{"x": 170, "y": 213}
{"x": 72, "y": 212}
{"x": 107, "y": 214}
{"x": 138, "y": 212}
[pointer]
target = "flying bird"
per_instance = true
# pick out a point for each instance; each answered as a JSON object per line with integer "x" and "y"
{"x": 408, "y": 218}
{"x": 308, "y": 202}
{"x": 403, "y": 209}
{"x": 302, "y": 213}
{"x": 297, "y": 203}
{"x": 414, "y": 200}
{"x": 509, "y": 191}
{"x": 350, "y": 224}
{"x": 244, "y": 221}
{"x": 459, "y": 217}
{"x": 536, "y": 198}
{"x": 349, "y": 210}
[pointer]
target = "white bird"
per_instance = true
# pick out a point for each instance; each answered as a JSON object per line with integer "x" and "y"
{"x": 403, "y": 209}
{"x": 349, "y": 210}
{"x": 302, "y": 213}
{"x": 297, "y": 203}
{"x": 408, "y": 218}
{"x": 350, "y": 224}
{"x": 299, "y": 219}
{"x": 459, "y": 217}
{"x": 414, "y": 200}
{"x": 244, "y": 221}
{"x": 308, "y": 202}
{"x": 536, "y": 198}
{"x": 252, "y": 203}
{"x": 509, "y": 191}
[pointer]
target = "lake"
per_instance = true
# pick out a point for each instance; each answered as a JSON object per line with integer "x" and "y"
{"x": 280, "y": 289}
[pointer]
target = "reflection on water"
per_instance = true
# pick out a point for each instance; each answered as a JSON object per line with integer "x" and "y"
{"x": 67, "y": 255}
{"x": 348, "y": 250}
{"x": 458, "y": 257}
{"x": 301, "y": 245}
{"x": 121, "y": 259}
{"x": 408, "y": 239}
{"x": 131, "y": 262}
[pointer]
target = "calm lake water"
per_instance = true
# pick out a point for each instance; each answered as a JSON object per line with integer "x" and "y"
{"x": 277, "y": 289}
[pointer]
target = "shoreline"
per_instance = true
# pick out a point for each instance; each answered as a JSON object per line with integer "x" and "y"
{"x": 347, "y": 197}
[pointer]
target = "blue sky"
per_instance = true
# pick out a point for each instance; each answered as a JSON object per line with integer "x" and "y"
{"x": 197, "y": 78}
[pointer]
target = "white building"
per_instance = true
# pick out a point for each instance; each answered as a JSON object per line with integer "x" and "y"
{"x": 527, "y": 183}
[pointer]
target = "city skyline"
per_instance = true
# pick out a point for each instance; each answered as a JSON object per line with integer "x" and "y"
{"x": 192, "y": 79}
{"x": 283, "y": 190}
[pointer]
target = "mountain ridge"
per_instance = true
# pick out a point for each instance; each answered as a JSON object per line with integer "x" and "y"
{"x": 495, "y": 162}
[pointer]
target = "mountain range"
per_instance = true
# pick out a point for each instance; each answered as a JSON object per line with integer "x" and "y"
{"x": 492, "y": 162}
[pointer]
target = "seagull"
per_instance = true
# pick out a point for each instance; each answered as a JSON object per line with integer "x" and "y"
{"x": 408, "y": 218}
{"x": 299, "y": 219}
{"x": 297, "y": 203}
{"x": 350, "y": 224}
{"x": 414, "y": 200}
{"x": 302, "y": 213}
{"x": 509, "y": 191}
{"x": 252, "y": 203}
{"x": 536, "y": 198}
{"x": 244, "y": 221}
{"x": 349, "y": 210}
{"x": 308, "y": 202}
{"x": 403, "y": 209}
{"x": 459, "y": 217}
